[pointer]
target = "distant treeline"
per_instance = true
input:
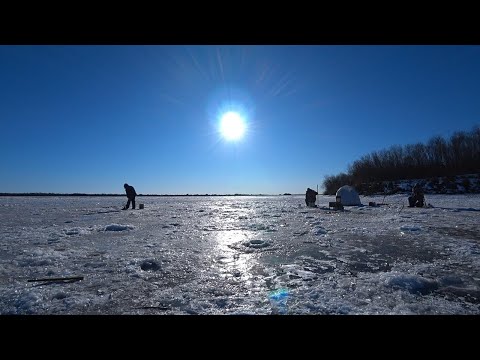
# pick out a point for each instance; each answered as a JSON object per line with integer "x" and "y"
{"x": 458, "y": 155}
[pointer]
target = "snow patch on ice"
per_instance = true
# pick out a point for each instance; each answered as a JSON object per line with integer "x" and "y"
{"x": 77, "y": 231}
{"x": 118, "y": 227}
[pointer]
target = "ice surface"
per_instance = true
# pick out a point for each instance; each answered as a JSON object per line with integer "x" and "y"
{"x": 239, "y": 255}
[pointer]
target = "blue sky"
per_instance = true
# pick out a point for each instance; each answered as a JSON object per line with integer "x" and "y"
{"x": 90, "y": 118}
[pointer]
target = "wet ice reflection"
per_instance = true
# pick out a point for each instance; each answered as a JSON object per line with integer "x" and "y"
{"x": 226, "y": 238}
{"x": 234, "y": 226}
{"x": 229, "y": 260}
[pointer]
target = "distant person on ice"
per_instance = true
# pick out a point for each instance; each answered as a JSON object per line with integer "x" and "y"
{"x": 417, "y": 199}
{"x": 310, "y": 197}
{"x": 130, "y": 190}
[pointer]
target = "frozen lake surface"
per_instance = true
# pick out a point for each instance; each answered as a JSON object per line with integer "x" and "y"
{"x": 239, "y": 255}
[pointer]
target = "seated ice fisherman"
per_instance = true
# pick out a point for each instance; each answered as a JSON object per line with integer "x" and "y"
{"x": 310, "y": 197}
{"x": 417, "y": 199}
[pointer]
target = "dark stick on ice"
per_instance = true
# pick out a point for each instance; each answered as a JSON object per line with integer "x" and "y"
{"x": 72, "y": 278}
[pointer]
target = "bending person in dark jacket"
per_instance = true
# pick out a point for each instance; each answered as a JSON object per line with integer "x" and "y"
{"x": 310, "y": 197}
{"x": 130, "y": 190}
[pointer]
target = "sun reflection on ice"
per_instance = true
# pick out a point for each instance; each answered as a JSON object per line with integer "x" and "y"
{"x": 231, "y": 260}
{"x": 229, "y": 237}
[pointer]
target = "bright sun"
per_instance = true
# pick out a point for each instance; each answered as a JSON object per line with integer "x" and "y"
{"x": 232, "y": 126}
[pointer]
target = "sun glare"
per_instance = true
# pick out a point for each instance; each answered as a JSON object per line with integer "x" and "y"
{"x": 232, "y": 126}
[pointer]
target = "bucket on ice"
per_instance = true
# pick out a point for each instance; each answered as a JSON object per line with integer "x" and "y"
{"x": 141, "y": 206}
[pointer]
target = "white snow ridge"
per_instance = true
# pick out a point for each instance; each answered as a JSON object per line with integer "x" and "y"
{"x": 117, "y": 227}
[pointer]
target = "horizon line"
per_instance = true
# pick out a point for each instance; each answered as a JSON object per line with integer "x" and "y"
{"x": 107, "y": 194}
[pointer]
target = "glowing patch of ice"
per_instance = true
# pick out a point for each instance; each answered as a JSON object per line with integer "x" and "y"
{"x": 278, "y": 300}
